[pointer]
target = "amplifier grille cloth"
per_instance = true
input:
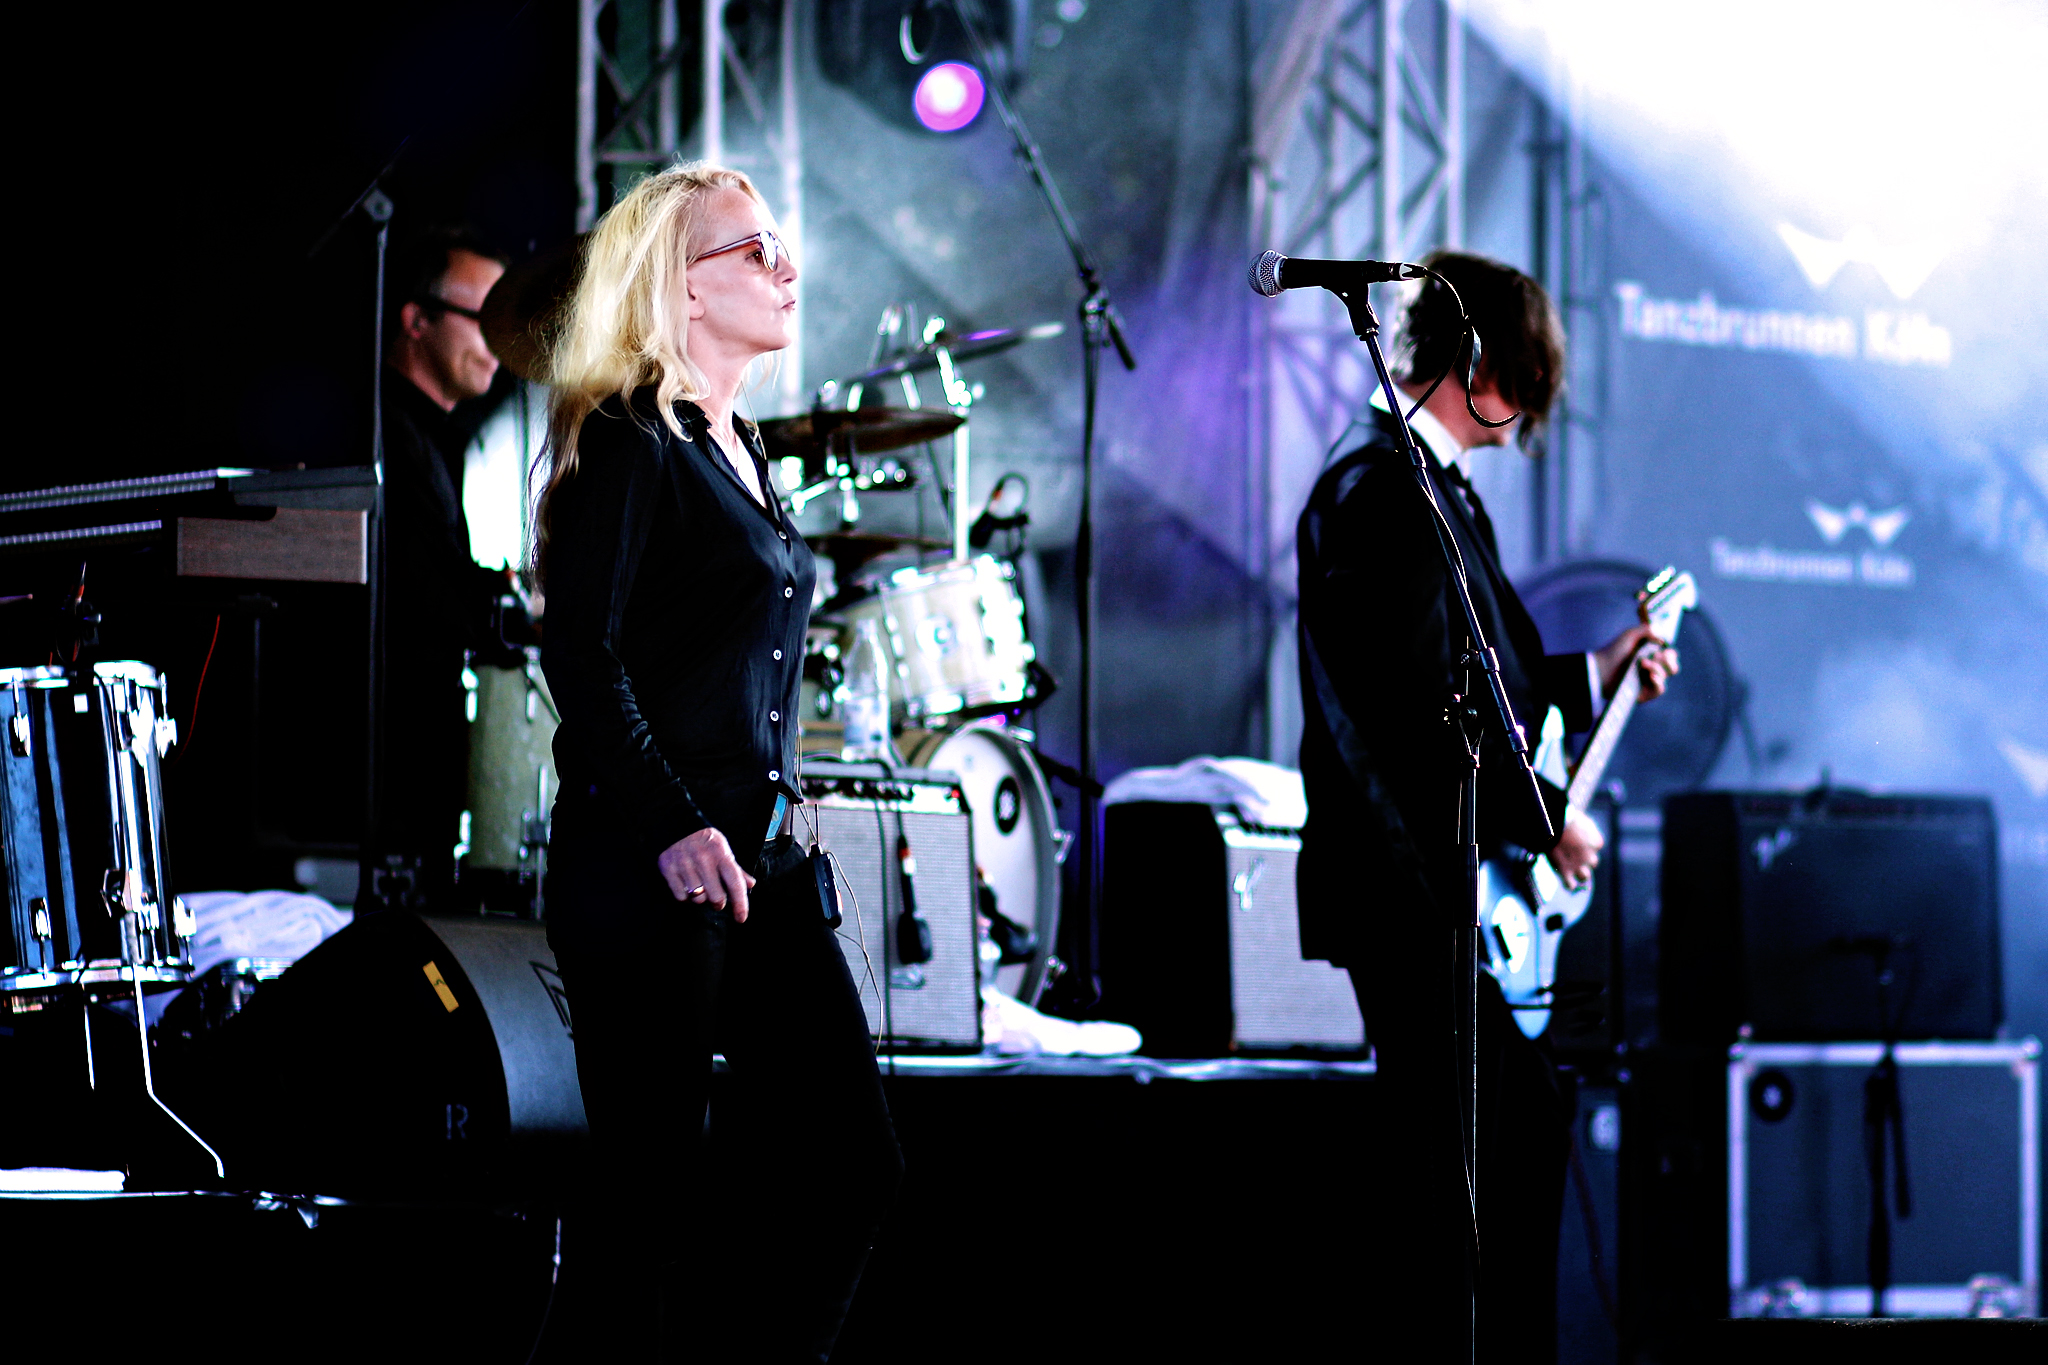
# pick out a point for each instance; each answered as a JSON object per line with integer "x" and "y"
{"x": 946, "y": 1010}
{"x": 1276, "y": 999}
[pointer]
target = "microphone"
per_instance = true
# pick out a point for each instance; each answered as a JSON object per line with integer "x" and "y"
{"x": 1274, "y": 272}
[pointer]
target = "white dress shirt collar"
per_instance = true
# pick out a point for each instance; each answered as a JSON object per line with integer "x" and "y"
{"x": 1432, "y": 433}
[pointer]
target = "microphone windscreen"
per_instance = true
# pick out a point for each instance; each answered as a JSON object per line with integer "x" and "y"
{"x": 1265, "y": 274}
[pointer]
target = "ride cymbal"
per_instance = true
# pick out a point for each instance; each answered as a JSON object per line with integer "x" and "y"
{"x": 866, "y": 431}
{"x": 972, "y": 346}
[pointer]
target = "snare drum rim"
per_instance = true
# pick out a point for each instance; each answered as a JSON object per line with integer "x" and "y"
{"x": 42, "y": 675}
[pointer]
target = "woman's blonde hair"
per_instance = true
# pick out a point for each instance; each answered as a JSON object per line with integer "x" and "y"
{"x": 622, "y": 330}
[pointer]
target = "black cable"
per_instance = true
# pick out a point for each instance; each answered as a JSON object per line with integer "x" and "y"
{"x": 1468, "y": 344}
{"x": 888, "y": 975}
{"x": 1588, "y": 1215}
{"x": 554, "y": 1283}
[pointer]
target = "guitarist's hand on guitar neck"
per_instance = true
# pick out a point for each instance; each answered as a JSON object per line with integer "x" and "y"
{"x": 1578, "y": 849}
{"x": 1654, "y": 667}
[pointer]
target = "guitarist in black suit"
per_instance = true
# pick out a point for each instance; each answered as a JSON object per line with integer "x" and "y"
{"x": 1380, "y": 882}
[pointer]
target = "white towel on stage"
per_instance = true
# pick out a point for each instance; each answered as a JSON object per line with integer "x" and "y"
{"x": 278, "y": 924}
{"x": 1262, "y": 793}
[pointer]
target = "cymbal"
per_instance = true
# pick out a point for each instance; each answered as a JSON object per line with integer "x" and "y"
{"x": 871, "y": 543}
{"x": 867, "y": 430}
{"x": 972, "y": 346}
{"x": 526, "y": 308}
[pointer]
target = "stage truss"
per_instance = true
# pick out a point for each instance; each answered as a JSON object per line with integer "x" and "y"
{"x": 636, "y": 112}
{"x": 1357, "y": 152}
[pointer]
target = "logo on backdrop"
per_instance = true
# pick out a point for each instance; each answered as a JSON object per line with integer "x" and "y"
{"x": 1902, "y": 267}
{"x": 1887, "y": 336}
{"x": 1834, "y": 523}
{"x": 1844, "y": 564}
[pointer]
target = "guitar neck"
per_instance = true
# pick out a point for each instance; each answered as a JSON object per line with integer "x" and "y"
{"x": 1606, "y": 736}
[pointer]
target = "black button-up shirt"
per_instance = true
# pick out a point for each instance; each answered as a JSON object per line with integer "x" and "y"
{"x": 674, "y": 634}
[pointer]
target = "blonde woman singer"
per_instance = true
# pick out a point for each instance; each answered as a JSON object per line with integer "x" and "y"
{"x": 682, "y": 912}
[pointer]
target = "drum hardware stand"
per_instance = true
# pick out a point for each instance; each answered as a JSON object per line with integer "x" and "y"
{"x": 1100, "y": 328}
{"x": 959, "y": 398}
{"x": 1471, "y": 718}
{"x": 139, "y": 916}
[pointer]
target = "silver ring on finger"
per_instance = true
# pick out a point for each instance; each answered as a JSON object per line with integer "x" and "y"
{"x": 696, "y": 891}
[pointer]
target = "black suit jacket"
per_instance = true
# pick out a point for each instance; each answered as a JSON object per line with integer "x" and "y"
{"x": 1380, "y": 634}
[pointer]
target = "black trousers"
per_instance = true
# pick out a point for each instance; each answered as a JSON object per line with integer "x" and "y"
{"x": 744, "y": 1240}
{"x": 1405, "y": 991}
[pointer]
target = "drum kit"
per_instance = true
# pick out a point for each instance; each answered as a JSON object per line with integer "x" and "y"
{"x": 954, "y": 632}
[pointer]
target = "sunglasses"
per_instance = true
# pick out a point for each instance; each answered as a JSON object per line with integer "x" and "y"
{"x": 435, "y": 304}
{"x": 767, "y": 243}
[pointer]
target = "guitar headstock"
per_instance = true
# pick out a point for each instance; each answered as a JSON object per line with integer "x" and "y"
{"x": 1664, "y": 599}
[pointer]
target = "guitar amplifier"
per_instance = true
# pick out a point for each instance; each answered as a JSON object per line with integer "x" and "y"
{"x": 1782, "y": 911}
{"x": 862, "y": 810}
{"x": 1201, "y": 949}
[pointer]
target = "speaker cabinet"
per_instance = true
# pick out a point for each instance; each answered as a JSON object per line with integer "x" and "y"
{"x": 861, "y": 811}
{"x": 1782, "y": 911}
{"x": 1201, "y": 949}
{"x": 402, "y": 1053}
{"x": 1799, "y": 1188}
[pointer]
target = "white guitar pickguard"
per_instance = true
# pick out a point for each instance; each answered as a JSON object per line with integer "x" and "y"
{"x": 1530, "y": 909}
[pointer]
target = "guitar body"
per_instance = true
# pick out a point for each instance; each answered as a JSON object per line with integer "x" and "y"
{"x": 1525, "y": 910}
{"x": 1524, "y": 930}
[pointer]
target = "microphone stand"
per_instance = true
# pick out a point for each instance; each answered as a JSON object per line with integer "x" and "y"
{"x": 1100, "y": 327}
{"x": 375, "y": 206}
{"x": 1472, "y": 719}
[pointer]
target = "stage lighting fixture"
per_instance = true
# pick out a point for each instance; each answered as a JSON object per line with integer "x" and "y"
{"x": 948, "y": 97}
{"x": 911, "y": 62}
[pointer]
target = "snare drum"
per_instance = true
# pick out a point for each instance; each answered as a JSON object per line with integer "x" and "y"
{"x": 957, "y": 634}
{"x": 87, "y": 858}
{"x": 1018, "y": 845}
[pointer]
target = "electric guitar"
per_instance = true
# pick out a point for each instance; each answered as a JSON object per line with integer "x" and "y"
{"x": 1525, "y": 908}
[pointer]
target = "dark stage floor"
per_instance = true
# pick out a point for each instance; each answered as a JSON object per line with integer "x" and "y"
{"x": 1126, "y": 1210}
{"x": 1052, "y": 1210}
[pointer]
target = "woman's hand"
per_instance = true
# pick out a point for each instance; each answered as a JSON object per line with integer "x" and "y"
{"x": 1656, "y": 666}
{"x": 699, "y": 868}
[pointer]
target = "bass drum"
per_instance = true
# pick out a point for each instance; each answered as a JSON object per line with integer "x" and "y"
{"x": 1018, "y": 845}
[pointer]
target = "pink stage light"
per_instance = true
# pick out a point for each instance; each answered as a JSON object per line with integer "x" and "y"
{"x": 949, "y": 97}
